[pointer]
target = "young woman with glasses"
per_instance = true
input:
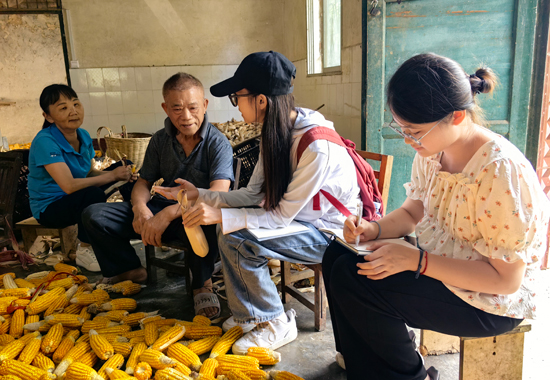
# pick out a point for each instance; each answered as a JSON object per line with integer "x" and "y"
{"x": 480, "y": 218}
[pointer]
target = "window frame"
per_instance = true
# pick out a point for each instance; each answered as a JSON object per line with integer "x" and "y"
{"x": 311, "y": 42}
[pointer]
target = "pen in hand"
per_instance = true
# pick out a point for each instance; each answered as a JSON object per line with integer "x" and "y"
{"x": 358, "y": 221}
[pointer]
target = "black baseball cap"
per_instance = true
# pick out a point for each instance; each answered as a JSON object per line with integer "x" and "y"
{"x": 268, "y": 73}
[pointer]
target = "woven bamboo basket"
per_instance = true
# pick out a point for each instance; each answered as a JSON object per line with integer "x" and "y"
{"x": 133, "y": 145}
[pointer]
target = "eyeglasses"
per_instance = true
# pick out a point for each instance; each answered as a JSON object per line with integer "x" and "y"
{"x": 234, "y": 98}
{"x": 408, "y": 136}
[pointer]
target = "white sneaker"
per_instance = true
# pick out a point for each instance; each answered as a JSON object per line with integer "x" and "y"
{"x": 230, "y": 322}
{"x": 272, "y": 334}
{"x": 85, "y": 257}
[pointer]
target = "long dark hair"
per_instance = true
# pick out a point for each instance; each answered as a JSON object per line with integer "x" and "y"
{"x": 276, "y": 143}
{"x": 51, "y": 94}
{"x": 428, "y": 87}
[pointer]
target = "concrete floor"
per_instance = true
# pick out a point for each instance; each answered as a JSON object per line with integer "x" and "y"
{"x": 311, "y": 355}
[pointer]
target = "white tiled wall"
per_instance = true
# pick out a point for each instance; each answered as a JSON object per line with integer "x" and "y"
{"x": 133, "y": 96}
{"x": 340, "y": 94}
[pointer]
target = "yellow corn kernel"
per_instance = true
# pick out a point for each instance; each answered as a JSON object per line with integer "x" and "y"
{"x": 118, "y": 316}
{"x": 166, "y": 322}
{"x": 208, "y": 368}
{"x": 83, "y": 338}
{"x": 15, "y": 292}
{"x": 103, "y": 349}
{"x": 115, "y": 374}
{"x": 238, "y": 361}
{"x": 80, "y": 371}
{"x": 43, "y": 362}
{"x": 65, "y": 283}
{"x": 137, "y": 339}
{"x": 97, "y": 296}
{"x": 17, "y": 322}
{"x": 156, "y": 359}
{"x": 163, "y": 329}
{"x": 114, "y": 362}
{"x": 202, "y": 320}
{"x": 5, "y": 339}
{"x": 89, "y": 358}
{"x": 122, "y": 348}
{"x": 11, "y": 350}
{"x": 133, "y": 334}
{"x": 85, "y": 315}
{"x": 27, "y": 338}
{"x": 82, "y": 279}
{"x": 133, "y": 319}
{"x": 30, "y": 350}
{"x": 60, "y": 267}
{"x": 119, "y": 286}
{"x": 143, "y": 371}
{"x": 22, "y": 370}
{"x": 22, "y": 283}
{"x": 134, "y": 357}
{"x": 198, "y": 332}
{"x": 180, "y": 367}
{"x": 252, "y": 373}
{"x": 30, "y": 319}
{"x": 204, "y": 345}
{"x": 170, "y": 374}
{"x": 67, "y": 320}
{"x": 131, "y": 289}
{"x": 147, "y": 320}
{"x": 74, "y": 353}
{"x": 52, "y": 339}
{"x": 128, "y": 304}
{"x": 171, "y": 336}
{"x": 112, "y": 338}
{"x": 284, "y": 375}
{"x": 185, "y": 356}
{"x": 151, "y": 333}
{"x": 10, "y": 377}
{"x": 120, "y": 329}
{"x": 226, "y": 341}
{"x": 41, "y": 303}
{"x": 5, "y": 327}
{"x": 66, "y": 344}
{"x": 266, "y": 356}
{"x": 236, "y": 374}
{"x": 73, "y": 309}
{"x": 96, "y": 325}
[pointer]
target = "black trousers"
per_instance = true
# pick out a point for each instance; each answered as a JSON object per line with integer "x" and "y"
{"x": 369, "y": 317}
{"x": 109, "y": 226}
{"x": 67, "y": 211}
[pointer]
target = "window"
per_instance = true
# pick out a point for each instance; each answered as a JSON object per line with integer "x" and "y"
{"x": 324, "y": 35}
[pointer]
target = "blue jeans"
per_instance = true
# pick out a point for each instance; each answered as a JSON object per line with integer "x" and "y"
{"x": 251, "y": 294}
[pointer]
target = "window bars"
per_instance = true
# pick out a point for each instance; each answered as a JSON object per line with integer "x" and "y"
{"x": 29, "y": 5}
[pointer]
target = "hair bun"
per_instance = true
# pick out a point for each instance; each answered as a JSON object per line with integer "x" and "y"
{"x": 483, "y": 81}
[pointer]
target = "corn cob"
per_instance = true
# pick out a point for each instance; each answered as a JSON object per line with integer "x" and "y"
{"x": 203, "y": 345}
{"x": 27, "y": 338}
{"x": 166, "y": 322}
{"x": 236, "y": 374}
{"x": 96, "y": 296}
{"x": 238, "y": 361}
{"x": 143, "y": 371}
{"x": 115, "y": 338}
{"x": 96, "y": 325}
{"x": 15, "y": 292}
{"x": 21, "y": 302}
{"x": 117, "y": 316}
{"x": 171, "y": 336}
{"x": 65, "y": 283}
{"x": 5, "y": 302}
{"x": 30, "y": 319}
{"x": 30, "y": 350}
{"x": 119, "y": 286}
{"x": 89, "y": 358}
{"x": 74, "y": 353}
{"x": 122, "y": 348}
{"x": 67, "y": 320}
{"x": 43, "y": 362}
{"x": 5, "y": 327}
{"x": 128, "y": 304}
{"x": 120, "y": 329}
{"x": 10, "y": 377}
{"x": 252, "y": 373}
{"x": 22, "y": 283}
{"x": 66, "y": 344}
{"x": 163, "y": 329}
{"x": 184, "y": 355}
{"x": 226, "y": 341}
{"x": 170, "y": 374}
{"x": 133, "y": 334}
{"x": 131, "y": 289}
{"x": 5, "y": 339}
{"x": 115, "y": 374}
{"x": 11, "y": 350}
{"x": 198, "y": 332}
{"x": 202, "y": 320}
{"x": 133, "y": 319}
{"x": 22, "y": 370}
{"x": 156, "y": 359}
{"x": 147, "y": 320}
{"x": 284, "y": 375}
{"x": 41, "y": 303}
{"x": 82, "y": 279}
{"x": 35, "y": 281}
{"x": 73, "y": 309}
{"x": 7, "y": 274}
{"x": 52, "y": 339}
{"x": 266, "y": 356}
{"x": 80, "y": 371}
{"x": 103, "y": 349}
{"x": 35, "y": 275}
{"x": 208, "y": 368}
{"x": 137, "y": 339}
{"x": 17, "y": 322}
{"x": 180, "y": 367}
{"x": 84, "y": 314}
{"x": 102, "y": 319}
{"x": 61, "y": 302}
{"x": 60, "y": 267}
{"x": 9, "y": 282}
{"x": 114, "y": 362}
{"x": 134, "y": 356}
{"x": 151, "y": 333}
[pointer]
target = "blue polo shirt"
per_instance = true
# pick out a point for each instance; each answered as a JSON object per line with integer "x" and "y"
{"x": 48, "y": 147}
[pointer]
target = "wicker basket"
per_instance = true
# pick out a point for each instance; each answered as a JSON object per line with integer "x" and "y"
{"x": 133, "y": 145}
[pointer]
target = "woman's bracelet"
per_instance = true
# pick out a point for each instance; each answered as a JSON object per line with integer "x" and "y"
{"x": 426, "y": 267}
{"x": 417, "y": 273}
{"x": 379, "y": 229}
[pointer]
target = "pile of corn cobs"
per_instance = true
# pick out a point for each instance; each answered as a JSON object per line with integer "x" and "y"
{"x": 239, "y": 131}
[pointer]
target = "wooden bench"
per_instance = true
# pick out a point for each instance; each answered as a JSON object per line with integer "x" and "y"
{"x": 496, "y": 357}
{"x": 30, "y": 229}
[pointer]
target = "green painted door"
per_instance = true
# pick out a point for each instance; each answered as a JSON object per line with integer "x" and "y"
{"x": 496, "y": 33}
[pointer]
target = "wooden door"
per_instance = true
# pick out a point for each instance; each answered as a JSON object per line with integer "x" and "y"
{"x": 496, "y": 33}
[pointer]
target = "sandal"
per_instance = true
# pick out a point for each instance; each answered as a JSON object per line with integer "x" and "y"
{"x": 204, "y": 300}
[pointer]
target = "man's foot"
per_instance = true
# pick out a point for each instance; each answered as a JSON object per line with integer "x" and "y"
{"x": 272, "y": 334}
{"x": 138, "y": 275}
{"x": 85, "y": 257}
{"x": 230, "y": 322}
{"x": 209, "y": 311}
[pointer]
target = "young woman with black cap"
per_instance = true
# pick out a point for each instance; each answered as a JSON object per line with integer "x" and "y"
{"x": 283, "y": 187}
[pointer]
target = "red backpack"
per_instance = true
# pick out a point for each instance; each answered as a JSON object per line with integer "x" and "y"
{"x": 365, "y": 174}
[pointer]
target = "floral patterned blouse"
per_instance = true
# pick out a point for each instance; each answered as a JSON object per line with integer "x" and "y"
{"x": 495, "y": 208}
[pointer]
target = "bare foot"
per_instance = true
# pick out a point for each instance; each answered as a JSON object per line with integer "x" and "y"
{"x": 207, "y": 311}
{"x": 138, "y": 275}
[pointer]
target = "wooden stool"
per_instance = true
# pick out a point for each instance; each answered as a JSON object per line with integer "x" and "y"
{"x": 496, "y": 357}
{"x": 30, "y": 229}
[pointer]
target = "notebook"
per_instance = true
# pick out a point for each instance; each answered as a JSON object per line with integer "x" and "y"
{"x": 360, "y": 249}
{"x": 271, "y": 233}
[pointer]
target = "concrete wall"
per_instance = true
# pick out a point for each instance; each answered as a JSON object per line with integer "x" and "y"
{"x": 31, "y": 57}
